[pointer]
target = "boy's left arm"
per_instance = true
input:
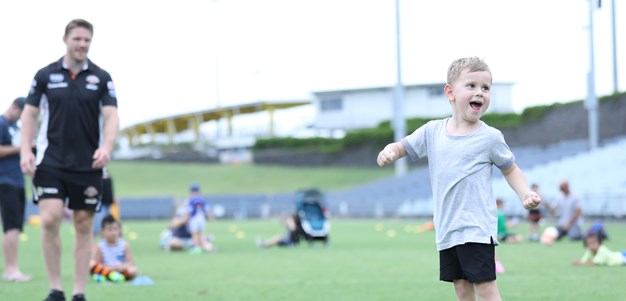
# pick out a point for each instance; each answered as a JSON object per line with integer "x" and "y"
{"x": 129, "y": 261}
{"x": 209, "y": 213}
{"x": 516, "y": 179}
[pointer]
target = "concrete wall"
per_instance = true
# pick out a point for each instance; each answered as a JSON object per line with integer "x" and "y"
{"x": 570, "y": 123}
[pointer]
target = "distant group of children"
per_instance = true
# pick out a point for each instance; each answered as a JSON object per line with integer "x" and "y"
{"x": 112, "y": 258}
{"x": 596, "y": 253}
{"x": 187, "y": 228}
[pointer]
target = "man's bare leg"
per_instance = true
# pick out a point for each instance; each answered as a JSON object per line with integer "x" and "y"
{"x": 51, "y": 213}
{"x": 83, "y": 222}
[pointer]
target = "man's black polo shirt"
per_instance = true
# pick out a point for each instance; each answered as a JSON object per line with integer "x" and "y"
{"x": 69, "y": 132}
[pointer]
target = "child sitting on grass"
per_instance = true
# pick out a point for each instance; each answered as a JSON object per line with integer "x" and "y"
{"x": 112, "y": 258}
{"x": 596, "y": 254}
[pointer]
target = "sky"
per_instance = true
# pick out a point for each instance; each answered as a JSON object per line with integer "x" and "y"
{"x": 171, "y": 57}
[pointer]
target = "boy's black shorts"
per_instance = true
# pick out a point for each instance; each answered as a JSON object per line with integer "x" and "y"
{"x": 83, "y": 190}
{"x": 474, "y": 262}
{"x": 534, "y": 215}
{"x": 12, "y": 206}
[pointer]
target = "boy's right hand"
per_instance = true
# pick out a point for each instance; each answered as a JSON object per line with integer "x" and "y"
{"x": 531, "y": 200}
{"x": 386, "y": 157}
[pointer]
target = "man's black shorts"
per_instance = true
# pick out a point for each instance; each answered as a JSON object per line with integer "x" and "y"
{"x": 83, "y": 190}
{"x": 12, "y": 206}
{"x": 474, "y": 262}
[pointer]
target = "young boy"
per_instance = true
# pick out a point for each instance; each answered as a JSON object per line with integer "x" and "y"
{"x": 504, "y": 225}
{"x": 197, "y": 212}
{"x": 461, "y": 151}
{"x": 503, "y": 232}
{"x": 112, "y": 257}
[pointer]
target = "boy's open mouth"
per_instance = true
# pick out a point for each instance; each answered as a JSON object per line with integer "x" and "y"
{"x": 476, "y": 105}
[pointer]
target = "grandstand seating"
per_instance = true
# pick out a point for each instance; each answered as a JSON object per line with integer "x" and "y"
{"x": 597, "y": 176}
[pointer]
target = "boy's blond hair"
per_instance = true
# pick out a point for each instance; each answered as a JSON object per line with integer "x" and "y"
{"x": 471, "y": 64}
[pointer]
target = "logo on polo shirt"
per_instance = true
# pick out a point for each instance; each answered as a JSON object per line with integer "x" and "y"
{"x": 92, "y": 79}
{"x": 57, "y": 85}
{"x": 111, "y": 87}
{"x": 57, "y": 81}
{"x": 56, "y": 77}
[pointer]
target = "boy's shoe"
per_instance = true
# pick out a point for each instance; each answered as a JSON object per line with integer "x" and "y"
{"x": 259, "y": 242}
{"x": 55, "y": 295}
{"x": 79, "y": 297}
{"x": 116, "y": 277}
{"x": 98, "y": 278}
{"x": 164, "y": 242}
{"x": 195, "y": 250}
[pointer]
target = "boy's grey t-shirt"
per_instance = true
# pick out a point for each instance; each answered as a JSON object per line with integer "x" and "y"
{"x": 461, "y": 178}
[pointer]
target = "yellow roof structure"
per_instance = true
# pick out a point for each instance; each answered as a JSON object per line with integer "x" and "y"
{"x": 172, "y": 125}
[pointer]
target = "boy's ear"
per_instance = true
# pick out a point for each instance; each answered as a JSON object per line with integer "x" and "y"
{"x": 448, "y": 91}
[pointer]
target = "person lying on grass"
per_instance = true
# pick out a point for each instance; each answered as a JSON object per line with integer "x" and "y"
{"x": 597, "y": 254}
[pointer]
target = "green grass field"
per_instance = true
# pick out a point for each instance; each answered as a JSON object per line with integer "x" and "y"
{"x": 365, "y": 261}
{"x": 173, "y": 179}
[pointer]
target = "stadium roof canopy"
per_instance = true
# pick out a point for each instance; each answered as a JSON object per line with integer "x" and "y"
{"x": 172, "y": 125}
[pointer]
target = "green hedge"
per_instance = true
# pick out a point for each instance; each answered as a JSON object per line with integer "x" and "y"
{"x": 317, "y": 144}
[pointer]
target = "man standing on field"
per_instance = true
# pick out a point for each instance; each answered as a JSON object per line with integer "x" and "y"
{"x": 74, "y": 96}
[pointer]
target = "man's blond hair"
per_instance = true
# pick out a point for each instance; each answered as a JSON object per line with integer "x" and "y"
{"x": 471, "y": 64}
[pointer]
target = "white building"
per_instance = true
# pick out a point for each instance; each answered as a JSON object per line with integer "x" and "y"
{"x": 367, "y": 107}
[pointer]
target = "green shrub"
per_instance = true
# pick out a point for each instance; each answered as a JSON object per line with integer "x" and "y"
{"x": 317, "y": 144}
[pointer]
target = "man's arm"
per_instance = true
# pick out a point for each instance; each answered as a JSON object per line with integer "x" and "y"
{"x": 516, "y": 179}
{"x": 102, "y": 156}
{"x": 29, "y": 125}
{"x": 8, "y": 150}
